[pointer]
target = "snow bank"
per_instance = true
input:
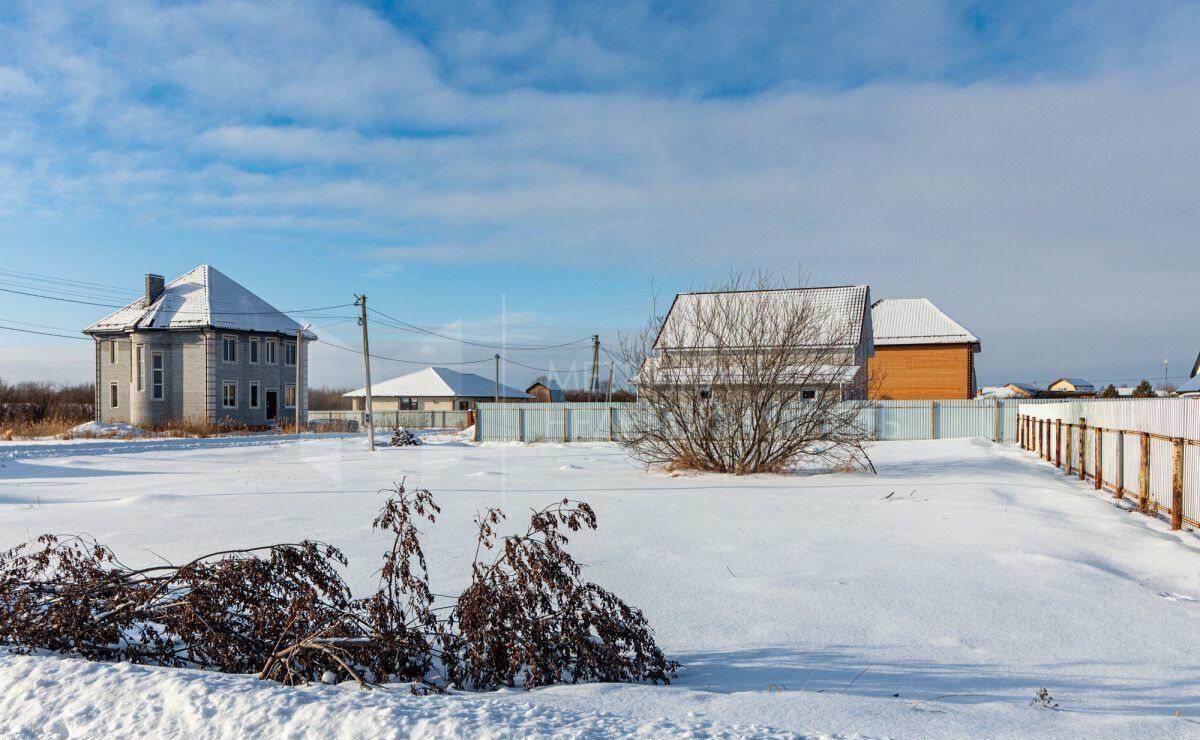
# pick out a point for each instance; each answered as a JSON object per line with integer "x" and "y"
{"x": 62, "y": 697}
{"x": 104, "y": 429}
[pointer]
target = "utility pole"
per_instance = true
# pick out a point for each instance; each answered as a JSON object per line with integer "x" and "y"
{"x": 370, "y": 418}
{"x": 594, "y": 379}
{"x": 497, "y": 399}
{"x": 299, "y": 340}
{"x": 610, "y": 374}
{"x": 1166, "y": 380}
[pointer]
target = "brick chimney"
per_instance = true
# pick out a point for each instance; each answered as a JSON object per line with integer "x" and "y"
{"x": 155, "y": 285}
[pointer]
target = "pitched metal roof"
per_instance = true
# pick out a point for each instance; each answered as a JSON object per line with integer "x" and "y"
{"x": 843, "y": 308}
{"x": 1192, "y": 386}
{"x": 916, "y": 321}
{"x": 438, "y": 382}
{"x": 1079, "y": 383}
{"x": 202, "y": 298}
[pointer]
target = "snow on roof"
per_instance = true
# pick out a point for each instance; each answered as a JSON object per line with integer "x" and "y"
{"x": 1079, "y": 383}
{"x": 1027, "y": 387}
{"x": 845, "y": 308}
{"x": 439, "y": 382}
{"x": 1192, "y": 386}
{"x": 916, "y": 321}
{"x": 202, "y": 298}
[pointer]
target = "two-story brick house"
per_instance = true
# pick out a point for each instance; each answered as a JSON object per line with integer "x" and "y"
{"x": 199, "y": 348}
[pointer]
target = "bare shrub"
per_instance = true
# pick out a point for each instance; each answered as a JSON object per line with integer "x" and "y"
{"x": 529, "y": 618}
{"x": 402, "y": 437}
{"x": 284, "y": 611}
{"x": 749, "y": 377}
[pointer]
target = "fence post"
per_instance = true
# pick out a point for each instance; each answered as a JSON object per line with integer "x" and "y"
{"x": 1058, "y": 443}
{"x": 1144, "y": 476}
{"x": 1046, "y": 440}
{"x": 1099, "y": 458}
{"x": 996, "y": 421}
{"x": 1177, "y": 484}
{"x": 933, "y": 420}
{"x": 1020, "y": 431}
{"x": 612, "y": 424}
{"x": 1067, "y": 450}
{"x": 521, "y": 424}
{"x": 1082, "y": 448}
{"x": 1120, "y": 464}
{"x": 566, "y": 422}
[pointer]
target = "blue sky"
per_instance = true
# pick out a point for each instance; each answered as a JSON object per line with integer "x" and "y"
{"x": 528, "y": 170}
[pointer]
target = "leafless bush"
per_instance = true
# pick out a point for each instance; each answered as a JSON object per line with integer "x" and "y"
{"x": 529, "y": 618}
{"x": 750, "y": 377}
{"x": 284, "y": 611}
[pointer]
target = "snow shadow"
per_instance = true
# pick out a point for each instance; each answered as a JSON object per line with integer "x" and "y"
{"x": 866, "y": 671}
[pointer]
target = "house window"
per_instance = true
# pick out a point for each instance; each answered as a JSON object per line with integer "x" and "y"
{"x": 269, "y": 357}
{"x": 408, "y": 404}
{"x": 464, "y": 405}
{"x": 228, "y": 349}
{"x": 112, "y": 351}
{"x": 254, "y": 395}
{"x": 289, "y": 353}
{"x": 289, "y": 396}
{"x": 229, "y": 395}
{"x": 254, "y": 350}
{"x": 139, "y": 368}
{"x": 112, "y": 395}
{"x": 156, "y": 375}
{"x": 808, "y": 395}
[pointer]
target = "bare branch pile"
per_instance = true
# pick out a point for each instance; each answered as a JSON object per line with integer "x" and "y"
{"x": 285, "y": 613}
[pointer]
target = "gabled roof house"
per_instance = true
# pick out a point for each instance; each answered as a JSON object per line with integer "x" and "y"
{"x": 920, "y": 352}
{"x": 199, "y": 348}
{"x": 1073, "y": 386}
{"x": 684, "y": 350}
{"x": 433, "y": 389}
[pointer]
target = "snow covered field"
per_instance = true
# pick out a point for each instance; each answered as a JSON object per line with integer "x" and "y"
{"x": 801, "y": 605}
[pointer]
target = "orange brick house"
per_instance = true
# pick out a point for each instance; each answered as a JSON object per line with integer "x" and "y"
{"x": 920, "y": 352}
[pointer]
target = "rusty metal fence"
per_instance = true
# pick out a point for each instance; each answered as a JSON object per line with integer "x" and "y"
{"x": 1146, "y": 450}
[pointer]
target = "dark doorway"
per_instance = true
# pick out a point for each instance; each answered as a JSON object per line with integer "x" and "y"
{"x": 272, "y": 405}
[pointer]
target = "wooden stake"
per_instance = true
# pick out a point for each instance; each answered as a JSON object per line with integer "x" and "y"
{"x": 1144, "y": 476}
{"x": 1082, "y": 448}
{"x": 1120, "y": 464}
{"x": 1099, "y": 458}
{"x": 1058, "y": 443}
{"x": 1177, "y": 485}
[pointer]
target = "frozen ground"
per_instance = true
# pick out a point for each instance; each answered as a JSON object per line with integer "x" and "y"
{"x": 806, "y": 604}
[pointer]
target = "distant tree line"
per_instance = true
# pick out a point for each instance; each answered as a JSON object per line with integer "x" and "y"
{"x": 34, "y": 401}
{"x": 328, "y": 399}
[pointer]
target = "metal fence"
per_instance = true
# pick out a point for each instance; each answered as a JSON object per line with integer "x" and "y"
{"x": 994, "y": 419}
{"x": 390, "y": 419}
{"x": 1148, "y": 450}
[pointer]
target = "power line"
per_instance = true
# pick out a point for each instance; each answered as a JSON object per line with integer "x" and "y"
{"x": 297, "y": 311}
{"x": 510, "y": 347}
{"x": 43, "y": 333}
{"x": 398, "y": 359}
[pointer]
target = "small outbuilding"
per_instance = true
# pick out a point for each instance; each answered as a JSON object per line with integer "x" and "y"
{"x": 433, "y": 389}
{"x": 920, "y": 352}
{"x": 545, "y": 390}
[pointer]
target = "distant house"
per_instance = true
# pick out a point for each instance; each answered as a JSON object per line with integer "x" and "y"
{"x": 433, "y": 389}
{"x": 920, "y": 352}
{"x": 199, "y": 348}
{"x": 1022, "y": 390}
{"x": 1073, "y": 387}
{"x": 545, "y": 390}
{"x": 684, "y": 354}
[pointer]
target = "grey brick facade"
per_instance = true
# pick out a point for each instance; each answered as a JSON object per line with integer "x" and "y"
{"x": 194, "y": 375}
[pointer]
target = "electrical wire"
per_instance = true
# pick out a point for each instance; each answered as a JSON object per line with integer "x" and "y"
{"x": 399, "y": 324}
{"x": 398, "y": 359}
{"x": 43, "y": 333}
